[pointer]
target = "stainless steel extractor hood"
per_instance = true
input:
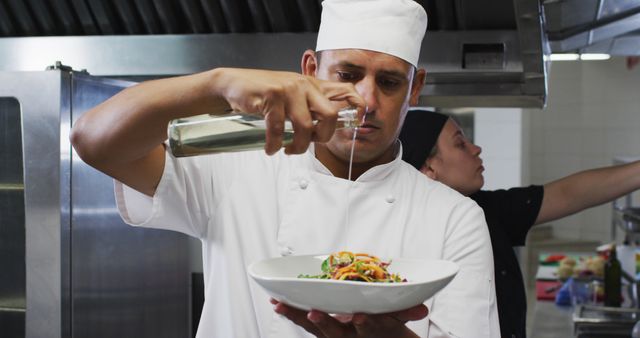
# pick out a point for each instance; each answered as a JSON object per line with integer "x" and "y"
{"x": 477, "y": 53}
{"x": 593, "y": 26}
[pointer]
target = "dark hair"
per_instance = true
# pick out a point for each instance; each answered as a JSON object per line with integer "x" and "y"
{"x": 419, "y": 135}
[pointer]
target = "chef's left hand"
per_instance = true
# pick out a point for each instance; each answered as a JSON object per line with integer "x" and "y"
{"x": 323, "y": 325}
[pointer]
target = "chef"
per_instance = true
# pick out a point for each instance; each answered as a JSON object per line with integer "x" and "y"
{"x": 434, "y": 144}
{"x": 253, "y": 205}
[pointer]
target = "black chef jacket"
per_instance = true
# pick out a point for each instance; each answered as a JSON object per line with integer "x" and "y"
{"x": 510, "y": 214}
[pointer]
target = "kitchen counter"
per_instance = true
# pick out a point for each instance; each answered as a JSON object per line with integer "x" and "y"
{"x": 551, "y": 321}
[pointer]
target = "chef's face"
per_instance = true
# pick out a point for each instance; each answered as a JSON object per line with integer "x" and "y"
{"x": 387, "y": 84}
{"x": 457, "y": 161}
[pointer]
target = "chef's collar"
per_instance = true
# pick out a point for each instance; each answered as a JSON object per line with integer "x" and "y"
{"x": 376, "y": 173}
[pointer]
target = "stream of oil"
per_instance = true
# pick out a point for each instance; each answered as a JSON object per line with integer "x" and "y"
{"x": 351, "y": 183}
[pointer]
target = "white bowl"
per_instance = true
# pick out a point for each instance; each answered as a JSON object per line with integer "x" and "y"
{"x": 279, "y": 277}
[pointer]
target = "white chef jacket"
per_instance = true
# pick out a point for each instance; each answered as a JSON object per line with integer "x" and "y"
{"x": 248, "y": 206}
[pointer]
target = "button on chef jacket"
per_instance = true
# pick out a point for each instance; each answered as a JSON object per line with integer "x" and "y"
{"x": 247, "y": 206}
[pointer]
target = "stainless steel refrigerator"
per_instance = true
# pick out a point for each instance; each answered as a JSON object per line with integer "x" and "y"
{"x": 69, "y": 266}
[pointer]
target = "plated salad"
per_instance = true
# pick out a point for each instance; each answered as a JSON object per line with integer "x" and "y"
{"x": 345, "y": 265}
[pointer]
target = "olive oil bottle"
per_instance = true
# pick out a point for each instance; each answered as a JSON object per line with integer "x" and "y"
{"x": 231, "y": 131}
{"x": 612, "y": 280}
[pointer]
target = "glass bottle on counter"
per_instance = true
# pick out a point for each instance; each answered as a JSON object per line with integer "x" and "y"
{"x": 612, "y": 280}
{"x": 635, "y": 332}
{"x": 231, "y": 131}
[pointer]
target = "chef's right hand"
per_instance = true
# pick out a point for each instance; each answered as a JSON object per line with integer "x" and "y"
{"x": 287, "y": 95}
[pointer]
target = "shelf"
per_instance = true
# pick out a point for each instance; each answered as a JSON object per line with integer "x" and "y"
{"x": 11, "y": 186}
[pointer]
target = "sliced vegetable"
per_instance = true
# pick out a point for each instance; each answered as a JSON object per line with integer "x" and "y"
{"x": 345, "y": 265}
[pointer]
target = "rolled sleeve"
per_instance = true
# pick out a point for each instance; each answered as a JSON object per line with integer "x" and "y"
{"x": 180, "y": 202}
{"x": 134, "y": 207}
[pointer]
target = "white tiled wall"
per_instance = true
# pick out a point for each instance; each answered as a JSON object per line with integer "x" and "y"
{"x": 503, "y": 134}
{"x": 500, "y": 133}
{"x": 592, "y": 116}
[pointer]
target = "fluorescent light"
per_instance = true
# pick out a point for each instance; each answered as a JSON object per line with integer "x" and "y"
{"x": 594, "y": 56}
{"x": 564, "y": 57}
{"x": 575, "y": 57}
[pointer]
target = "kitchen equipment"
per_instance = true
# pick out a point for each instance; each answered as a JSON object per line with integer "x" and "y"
{"x": 69, "y": 266}
{"x": 12, "y": 218}
{"x": 626, "y": 211}
{"x": 476, "y": 56}
{"x": 604, "y": 322}
{"x": 628, "y": 218}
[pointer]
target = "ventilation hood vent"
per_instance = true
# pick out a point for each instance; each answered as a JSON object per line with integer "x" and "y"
{"x": 476, "y": 53}
{"x": 593, "y": 26}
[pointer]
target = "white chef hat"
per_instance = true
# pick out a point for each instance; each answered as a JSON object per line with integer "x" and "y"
{"x": 394, "y": 27}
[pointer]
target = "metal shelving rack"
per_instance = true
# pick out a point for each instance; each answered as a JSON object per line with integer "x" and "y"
{"x": 626, "y": 210}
